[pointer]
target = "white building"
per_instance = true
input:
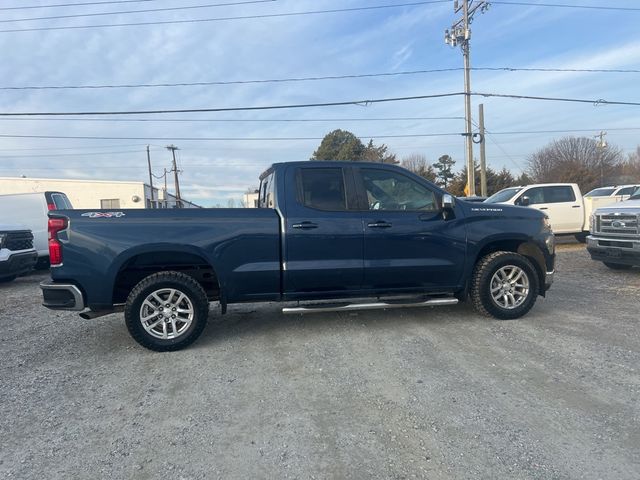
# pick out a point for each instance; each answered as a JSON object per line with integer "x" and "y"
{"x": 251, "y": 199}
{"x": 96, "y": 193}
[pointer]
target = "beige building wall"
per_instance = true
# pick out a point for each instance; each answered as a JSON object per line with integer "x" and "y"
{"x": 251, "y": 199}
{"x": 83, "y": 193}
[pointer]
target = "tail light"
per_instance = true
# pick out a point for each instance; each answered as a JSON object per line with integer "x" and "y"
{"x": 55, "y": 247}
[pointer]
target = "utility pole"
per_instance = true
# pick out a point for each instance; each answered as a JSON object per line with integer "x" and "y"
{"x": 460, "y": 34}
{"x": 150, "y": 175}
{"x": 173, "y": 149}
{"x": 601, "y": 145}
{"x": 483, "y": 155}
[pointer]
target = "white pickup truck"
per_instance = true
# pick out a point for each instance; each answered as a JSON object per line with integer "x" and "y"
{"x": 621, "y": 192}
{"x": 563, "y": 203}
{"x": 615, "y": 234}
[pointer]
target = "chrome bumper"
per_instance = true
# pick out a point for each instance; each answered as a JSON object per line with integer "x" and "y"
{"x": 62, "y": 296}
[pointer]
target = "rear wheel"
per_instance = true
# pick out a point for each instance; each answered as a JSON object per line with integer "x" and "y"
{"x": 504, "y": 285}
{"x": 618, "y": 266}
{"x": 166, "y": 311}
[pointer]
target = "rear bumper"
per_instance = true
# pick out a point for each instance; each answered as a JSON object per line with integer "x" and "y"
{"x": 18, "y": 263}
{"x": 62, "y": 296}
{"x": 614, "y": 250}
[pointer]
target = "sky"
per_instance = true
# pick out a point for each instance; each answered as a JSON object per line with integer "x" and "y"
{"x": 384, "y": 40}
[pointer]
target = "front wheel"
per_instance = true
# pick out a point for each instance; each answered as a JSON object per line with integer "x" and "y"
{"x": 618, "y": 266}
{"x": 504, "y": 285}
{"x": 166, "y": 311}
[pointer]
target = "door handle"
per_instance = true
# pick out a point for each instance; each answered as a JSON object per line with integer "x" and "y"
{"x": 379, "y": 224}
{"x": 576, "y": 206}
{"x": 544, "y": 208}
{"x": 304, "y": 225}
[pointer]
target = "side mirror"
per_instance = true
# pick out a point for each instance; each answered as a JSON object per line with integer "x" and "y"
{"x": 525, "y": 201}
{"x": 448, "y": 202}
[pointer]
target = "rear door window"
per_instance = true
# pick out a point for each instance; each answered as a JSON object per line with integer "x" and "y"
{"x": 322, "y": 188}
{"x": 559, "y": 194}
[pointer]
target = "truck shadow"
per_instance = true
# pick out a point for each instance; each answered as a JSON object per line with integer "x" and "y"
{"x": 268, "y": 321}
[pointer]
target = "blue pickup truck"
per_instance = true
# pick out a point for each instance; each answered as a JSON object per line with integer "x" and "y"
{"x": 324, "y": 232}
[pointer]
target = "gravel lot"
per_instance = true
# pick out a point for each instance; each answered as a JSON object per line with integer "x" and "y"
{"x": 419, "y": 393}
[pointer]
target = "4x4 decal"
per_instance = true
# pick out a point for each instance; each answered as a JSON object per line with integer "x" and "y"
{"x": 104, "y": 214}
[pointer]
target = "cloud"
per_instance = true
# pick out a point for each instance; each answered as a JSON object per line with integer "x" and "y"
{"x": 359, "y": 42}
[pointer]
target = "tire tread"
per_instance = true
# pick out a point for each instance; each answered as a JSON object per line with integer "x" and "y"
{"x": 202, "y": 310}
{"x": 476, "y": 292}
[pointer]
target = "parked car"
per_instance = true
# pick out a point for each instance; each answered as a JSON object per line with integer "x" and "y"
{"x": 17, "y": 255}
{"x": 323, "y": 230}
{"x": 622, "y": 192}
{"x": 30, "y": 210}
{"x": 567, "y": 209}
{"x": 615, "y": 234}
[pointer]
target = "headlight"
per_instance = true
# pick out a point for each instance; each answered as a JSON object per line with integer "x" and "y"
{"x": 2, "y": 237}
{"x": 592, "y": 222}
{"x": 546, "y": 223}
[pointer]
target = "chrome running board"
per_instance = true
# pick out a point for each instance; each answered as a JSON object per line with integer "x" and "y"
{"x": 432, "y": 302}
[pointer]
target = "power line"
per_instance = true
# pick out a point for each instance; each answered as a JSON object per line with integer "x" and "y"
{"x": 312, "y": 78}
{"x": 578, "y": 70}
{"x": 31, "y": 7}
{"x": 72, "y": 148}
{"x": 221, "y": 139}
{"x": 441, "y": 134}
{"x": 597, "y": 102}
{"x": 362, "y": 103}
{"x": 235, "y": 120}
{"x": 232, "y": 82}
{"x": 71, "y": 154}
{"x": 222, "y": 19}
{"x": 564, "y": 5}
{"x": 124, "y": 12}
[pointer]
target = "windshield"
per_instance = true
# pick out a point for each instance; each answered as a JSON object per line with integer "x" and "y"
{"x": 503, "y": 195}
{"x": 600, "y": 192}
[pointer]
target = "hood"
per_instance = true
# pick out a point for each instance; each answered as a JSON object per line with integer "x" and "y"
{"x": 500, "y": 210}
{"x": 633, "y": 205}
{"x": 4, "y": 227}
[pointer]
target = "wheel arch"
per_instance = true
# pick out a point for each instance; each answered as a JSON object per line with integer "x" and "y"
{"x": 135, "y": 264}
{"x": 521, "y": 245}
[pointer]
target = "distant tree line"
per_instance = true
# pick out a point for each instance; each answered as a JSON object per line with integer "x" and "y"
{"x": 578, "y": 160}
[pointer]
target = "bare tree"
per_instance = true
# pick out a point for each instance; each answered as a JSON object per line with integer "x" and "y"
{"x": 576, "y": 160}
{"x": 418, "y": 164}
{"x": 631, "y": 168}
